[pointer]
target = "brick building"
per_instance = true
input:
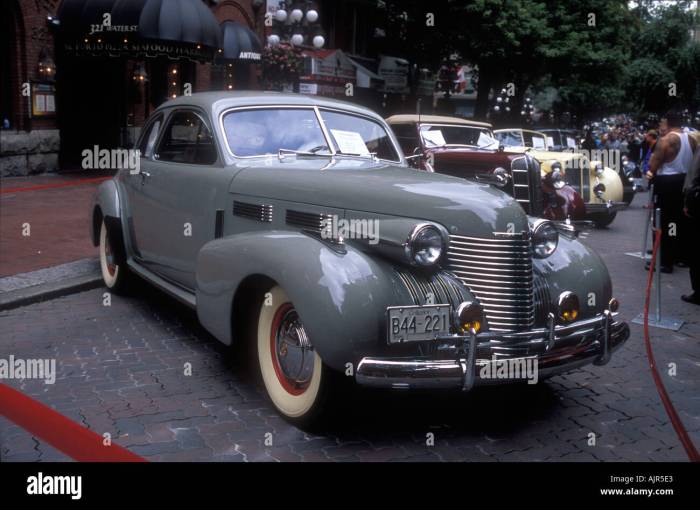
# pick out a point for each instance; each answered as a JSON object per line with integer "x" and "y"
{"x": 73, "y": 78}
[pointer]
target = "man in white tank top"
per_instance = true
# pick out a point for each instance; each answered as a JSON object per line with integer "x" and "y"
{"x": 668, "y": 165}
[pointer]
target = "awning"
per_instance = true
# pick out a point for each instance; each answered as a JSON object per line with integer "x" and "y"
{"x": 171, "y": 27}
{"x": 240, "y": 42}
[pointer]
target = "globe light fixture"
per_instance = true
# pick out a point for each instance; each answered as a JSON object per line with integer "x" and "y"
{"x": 312, "y": 16}
{"x": 296, "y": 15}
{"x": 297, "y": 39}
{"x": 281, "y": 15}
{"x": 319, "y": 41}
{"x": 273, "y": 39}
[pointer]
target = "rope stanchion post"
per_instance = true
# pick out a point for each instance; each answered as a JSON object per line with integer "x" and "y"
{"x": 659, "y": 320}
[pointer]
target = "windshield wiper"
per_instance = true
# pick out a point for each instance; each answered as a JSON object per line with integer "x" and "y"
{"x": 372, "y": 155}
{"x": 285, "y": 153}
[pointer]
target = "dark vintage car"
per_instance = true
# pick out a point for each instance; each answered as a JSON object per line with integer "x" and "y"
{"x": 468, "y": 149}
{"x": 294, "y": 226}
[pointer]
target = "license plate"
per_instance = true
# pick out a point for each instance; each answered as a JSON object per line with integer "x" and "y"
{"x": 418, "y": 323}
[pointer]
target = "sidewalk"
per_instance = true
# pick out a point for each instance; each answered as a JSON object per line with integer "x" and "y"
{"x": 55, "y": 208}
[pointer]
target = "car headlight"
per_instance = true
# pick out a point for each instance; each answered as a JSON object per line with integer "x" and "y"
{"x": 545, "y": 238}
{"x": 599, "y": 189}
{"x": 556, "y": 176}
{"x": 425, "y": 245}
{"x": 501, "y": 177}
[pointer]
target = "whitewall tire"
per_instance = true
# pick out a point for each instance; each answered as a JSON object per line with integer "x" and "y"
{"x": 113, "y": 274}
{"x": 291, "y": 369}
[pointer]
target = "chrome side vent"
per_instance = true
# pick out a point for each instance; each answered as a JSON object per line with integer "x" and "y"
{"x": 499, "y": 273}
{"x": 259, "y": 212}
{"x": 314, "y": 222}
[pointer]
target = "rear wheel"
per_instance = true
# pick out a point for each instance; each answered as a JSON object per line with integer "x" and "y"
{"x": 114, "y": 275}
{"x": 295, "y": 378}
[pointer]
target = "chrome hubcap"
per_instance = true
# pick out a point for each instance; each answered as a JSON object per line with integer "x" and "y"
{"x": 294, "y": 352}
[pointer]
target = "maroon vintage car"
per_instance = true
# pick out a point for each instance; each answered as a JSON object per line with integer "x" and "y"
{"x": 468, "y": 149}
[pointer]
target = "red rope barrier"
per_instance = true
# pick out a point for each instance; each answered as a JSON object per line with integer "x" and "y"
{"x": 688, "y": 445}
{"x": 63, "y": 434}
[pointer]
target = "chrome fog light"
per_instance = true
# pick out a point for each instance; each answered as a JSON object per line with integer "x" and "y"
{"x": 568, "y": 306}
{"x": 470, "y": 316}
{"x": 545, "y": 238}
{"x": 425, "y": 245}
{"x": 613, "y": 305}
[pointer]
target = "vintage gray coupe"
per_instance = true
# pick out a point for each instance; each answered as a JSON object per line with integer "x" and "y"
{"x": 294, "y": 224}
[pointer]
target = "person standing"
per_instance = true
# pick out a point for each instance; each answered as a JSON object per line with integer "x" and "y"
{"x": 691, "y": 192}
{"x": 668, "y": 166}
{"x": 648, "y": 149}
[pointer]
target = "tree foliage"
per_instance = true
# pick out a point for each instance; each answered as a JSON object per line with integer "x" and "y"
{"x": 599, "y": 55}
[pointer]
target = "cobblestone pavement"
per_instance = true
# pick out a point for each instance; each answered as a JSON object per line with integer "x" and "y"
{"x": 55, "y": 207}
{"x": 120, "y": 370}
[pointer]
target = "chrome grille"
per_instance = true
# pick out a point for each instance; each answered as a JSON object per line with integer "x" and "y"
{"x": 521, "y": 182}
{"x": 438, "y": 289}
{"x": 499, "y": 273}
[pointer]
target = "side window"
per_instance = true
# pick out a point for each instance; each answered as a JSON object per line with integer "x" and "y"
{"x": 406, "y": 135}
{"x": 148, "y": 140}
{"x": 187, "y": 139}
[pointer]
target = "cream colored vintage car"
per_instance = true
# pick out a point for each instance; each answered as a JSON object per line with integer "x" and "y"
{"x": 599, "y": 186}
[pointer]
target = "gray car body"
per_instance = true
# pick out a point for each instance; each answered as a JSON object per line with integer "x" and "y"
{"x": 341, "y": 295}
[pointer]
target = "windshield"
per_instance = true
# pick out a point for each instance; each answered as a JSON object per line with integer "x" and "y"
{"x": 510, "y": 138}
{"x": 265, "y": 131}
{"x": 435, "y": 135}
{"x": 262, "y": 131}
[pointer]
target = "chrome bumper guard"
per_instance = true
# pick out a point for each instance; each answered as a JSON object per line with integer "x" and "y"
{"x": 555, "y": 349}
{"x": 607, "y": 207}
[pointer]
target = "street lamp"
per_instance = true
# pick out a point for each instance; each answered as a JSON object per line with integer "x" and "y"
{"x": 296, "y": 23}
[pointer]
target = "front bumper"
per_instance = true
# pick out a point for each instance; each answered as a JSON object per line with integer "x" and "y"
{"x": 608, "y": 207}
{"x": 461, "y": 361}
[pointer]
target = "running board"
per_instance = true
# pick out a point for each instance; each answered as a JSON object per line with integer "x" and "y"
{"x": 182, "y": 295}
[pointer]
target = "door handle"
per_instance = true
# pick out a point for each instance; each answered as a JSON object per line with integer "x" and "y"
{"x": 143, "y": 175}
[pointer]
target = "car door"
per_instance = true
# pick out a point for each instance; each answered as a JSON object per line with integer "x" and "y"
{"x": 185, "y": 190}
{"x": 142, "y": 234}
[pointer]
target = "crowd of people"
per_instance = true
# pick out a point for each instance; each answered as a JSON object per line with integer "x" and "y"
{"x": 668, "y": 155}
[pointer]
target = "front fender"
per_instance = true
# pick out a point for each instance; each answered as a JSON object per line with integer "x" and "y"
{"x": 613, "y": 186}
{"x": 575, "y": 267}
{"x": 340, "y": 297}
{"x": 107, "y": 200}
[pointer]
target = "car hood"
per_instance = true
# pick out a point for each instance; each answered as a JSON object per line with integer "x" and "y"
{"x": 463, "y": 207}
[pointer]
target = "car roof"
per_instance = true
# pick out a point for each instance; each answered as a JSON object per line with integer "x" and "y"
{"x": 226, "y": 99}
{"x": 434, "y": 119}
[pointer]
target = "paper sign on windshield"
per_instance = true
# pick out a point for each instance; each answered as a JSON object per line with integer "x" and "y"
{"x": 485, "y": 140}
{"x": 435, "y": 137}
{"x": 350, "y": 142}
{"x": 537, "y": 143}
{"x": 570, "y": 142}
{"x": 550, "y": 141}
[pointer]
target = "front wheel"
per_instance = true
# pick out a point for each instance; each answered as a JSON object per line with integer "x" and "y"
{"x": 295, "y": 378}
{"x": 114, "y": 275}
{"x": 603, "y": 220}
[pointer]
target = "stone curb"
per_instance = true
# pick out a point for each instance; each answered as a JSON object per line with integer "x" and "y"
{"x": 27, "y": 288}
